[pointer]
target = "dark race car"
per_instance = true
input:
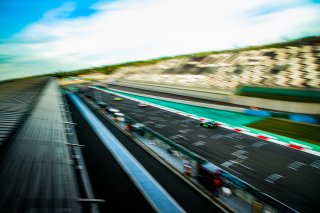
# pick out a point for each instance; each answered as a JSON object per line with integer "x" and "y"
{"x": 208, "y": 124}
{"x": 143, "y": 105}
{"x": 102, "y": 104}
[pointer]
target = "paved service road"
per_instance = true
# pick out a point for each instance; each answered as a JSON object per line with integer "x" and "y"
{"x": 286, "y": 174}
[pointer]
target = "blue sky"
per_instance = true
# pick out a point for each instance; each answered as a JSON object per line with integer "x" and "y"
{"x": 17, "y": 14}
{"x": 42, "y": 36}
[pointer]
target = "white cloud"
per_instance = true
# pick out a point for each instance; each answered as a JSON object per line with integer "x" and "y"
{"x": 135, "y": 30}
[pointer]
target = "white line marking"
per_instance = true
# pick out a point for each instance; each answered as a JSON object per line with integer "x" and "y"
{"x": 178, "y": 136}
{"x": 240, "y": 154}
{"x": 278, "y": 142}
{"x": 229, "y": 163}
{"x": 174, "y": 137}
{"x": 202, "y": 136}
{"x": 249, "y": 133}
{"x": 199, "y": 143}
{"x": 258, "y": 144}
{"x": 272, "y": 178}
{"x": 239, "y": 146}
{"x": 312, "y": 152}
{"x": 185, "y": 131}
{"x": 295, "y": 165}
{"x": 236, "y": 162}
{"x": 228, "y": 127}
{"x": 316, "y": 164}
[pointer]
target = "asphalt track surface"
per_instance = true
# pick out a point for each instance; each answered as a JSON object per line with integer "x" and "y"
{"x": 175, "y": 96}
{"x": 169, "y": 95}
{"x": 285, "y": 174}
{"x": 111, "y": 183}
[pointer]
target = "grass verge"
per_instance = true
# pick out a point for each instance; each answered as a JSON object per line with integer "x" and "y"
{"x": 300, "y": 131}
{"x": 282, "y": 97}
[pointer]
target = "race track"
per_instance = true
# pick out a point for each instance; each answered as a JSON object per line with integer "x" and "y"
{"x": 286, "y": 174}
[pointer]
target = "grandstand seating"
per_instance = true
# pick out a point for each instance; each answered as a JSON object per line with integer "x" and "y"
{"x": 292, "y": 66}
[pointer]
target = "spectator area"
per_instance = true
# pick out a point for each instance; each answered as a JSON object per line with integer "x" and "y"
{"x": 292, "y": 66}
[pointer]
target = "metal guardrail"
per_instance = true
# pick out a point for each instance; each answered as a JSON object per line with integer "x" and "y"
{"x": 89, "y": 202}
{"x": 175, "y": 146}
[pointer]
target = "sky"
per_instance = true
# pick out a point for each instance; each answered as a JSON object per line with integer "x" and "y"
{"x": 45, "y": 36}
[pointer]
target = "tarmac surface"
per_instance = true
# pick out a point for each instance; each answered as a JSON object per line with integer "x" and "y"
{"x": 285, "y": 174}
{"x": 112, "y": 184}
{"x": 180, "y": 97}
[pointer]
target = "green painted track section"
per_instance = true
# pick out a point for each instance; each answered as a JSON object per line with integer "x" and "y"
{"x": 235, "y": 119}
{"x": 232, "y": 118}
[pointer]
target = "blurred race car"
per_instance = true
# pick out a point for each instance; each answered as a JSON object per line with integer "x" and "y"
{"x": 117, "y": 99}
{"x": 143, "y": 105}
{"x": 102, "y": 104}
{"x": 208, "y": 124}
{"x": 112, "y": 110}
{"x": 118, "y": 116}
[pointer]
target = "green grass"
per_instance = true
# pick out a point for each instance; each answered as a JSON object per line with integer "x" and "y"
{"x": 300, "y": 131}
{"x": 281, "y": 97}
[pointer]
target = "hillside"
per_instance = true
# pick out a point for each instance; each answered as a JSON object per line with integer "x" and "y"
{"x": 293, "y": 64}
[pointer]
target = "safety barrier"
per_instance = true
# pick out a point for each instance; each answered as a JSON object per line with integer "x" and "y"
{"x": 293, "y": 117}
{"x": 173, "y": 145}
{"x": 304, "y": 119}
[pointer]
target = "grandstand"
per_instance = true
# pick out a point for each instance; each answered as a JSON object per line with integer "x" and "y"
{"x": 291, "y": 66}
